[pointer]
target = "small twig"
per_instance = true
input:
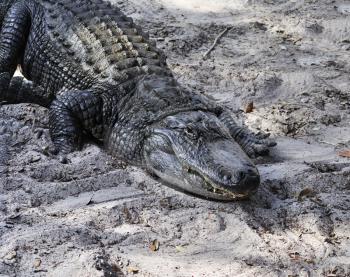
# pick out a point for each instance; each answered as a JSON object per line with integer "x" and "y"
{"x": 317, "y": 202}
{"x": 216, "y": 42}
{"x": 33, "y": 124}
{"x": 20, "y": 142}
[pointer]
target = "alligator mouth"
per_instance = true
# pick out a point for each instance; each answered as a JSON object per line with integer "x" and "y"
{"x": 215, "y": 189}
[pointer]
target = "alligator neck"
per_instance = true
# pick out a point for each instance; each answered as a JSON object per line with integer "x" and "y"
{"x": 153, "y": 98}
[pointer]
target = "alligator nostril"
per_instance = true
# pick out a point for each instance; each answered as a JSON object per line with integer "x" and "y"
{"x": 225, "y": 175}
{"x": 241, "y": 175}
{"x": 251, "y": 172}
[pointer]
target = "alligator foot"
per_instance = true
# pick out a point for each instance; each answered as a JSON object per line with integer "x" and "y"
{"x": 253, "y": 144}
{"x": 72, "y": 114}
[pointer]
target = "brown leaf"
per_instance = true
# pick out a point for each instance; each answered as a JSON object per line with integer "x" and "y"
{"x": 133, "y": 270}
{"x": 37, "y": 263}
{"x": 154, "y": 246}
{"x": 295, "y": 256}
{"x": 305, "y": 193}
{"x": 249, "y": 108}
{"x": 344, "y": 153}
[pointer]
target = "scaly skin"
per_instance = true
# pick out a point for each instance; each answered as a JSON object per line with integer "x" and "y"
{"x": 99, "y": 74}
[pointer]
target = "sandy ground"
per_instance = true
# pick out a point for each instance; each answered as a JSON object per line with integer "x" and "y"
{"x": 96, "y": 217}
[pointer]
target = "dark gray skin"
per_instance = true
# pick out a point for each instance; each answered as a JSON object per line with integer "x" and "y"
{"x": 183, "y": 145}
{"x": 99, "y": 74}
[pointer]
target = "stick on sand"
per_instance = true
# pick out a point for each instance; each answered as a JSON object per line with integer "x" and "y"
{"x": 216, "y": 41}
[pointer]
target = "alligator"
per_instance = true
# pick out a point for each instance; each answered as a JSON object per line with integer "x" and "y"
{"x": 100, "y": 75}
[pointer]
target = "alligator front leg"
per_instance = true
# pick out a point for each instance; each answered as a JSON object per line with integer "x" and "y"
{"x": 253, "y": 144}
{"x": 72, "y": 114}
{"x": 13, "y": 36}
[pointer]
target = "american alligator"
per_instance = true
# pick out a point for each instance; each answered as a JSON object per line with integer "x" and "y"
{"x": 100, "y": 75}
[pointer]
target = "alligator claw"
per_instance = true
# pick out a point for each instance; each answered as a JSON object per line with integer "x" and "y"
{"x": 60, "y": 153}
{"x": 254, "y": 144}
{"x": 272, "y": 143}
{"x": 268, "y": 142}
{"x": 261, "y": 135}
{"x": 257, "y": 145}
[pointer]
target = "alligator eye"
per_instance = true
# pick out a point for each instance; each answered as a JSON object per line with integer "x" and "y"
{"x": 191, "y": 133}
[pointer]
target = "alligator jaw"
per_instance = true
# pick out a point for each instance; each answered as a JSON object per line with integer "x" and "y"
{"x": 213, "y": 189}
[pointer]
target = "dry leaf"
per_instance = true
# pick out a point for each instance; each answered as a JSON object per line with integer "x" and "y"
{"x": 37, "y": 263}
{"x": 305, "y": 193}
{"x": 154, "y": 246}
{"x": 344, "y": 153}
{"x": 11, "y": 255}
{"x": 133, "y": 270}
{"x": 295, "y": 256}
{"x": 179, "y": 248}
{"x": 249, "y": 108}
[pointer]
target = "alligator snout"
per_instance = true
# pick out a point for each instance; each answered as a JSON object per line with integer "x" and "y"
{"x": 243, "y": 181}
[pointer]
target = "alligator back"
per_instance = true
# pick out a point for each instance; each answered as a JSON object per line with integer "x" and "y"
{"x": 92, "y": 37}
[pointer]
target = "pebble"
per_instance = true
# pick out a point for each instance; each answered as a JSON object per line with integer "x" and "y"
{"x": 27, "y": 189}
{"x": 35, "y": 159}
{"x": 283, "y": 47}
{"x": 38, "y": 133}
{"x": 3, "y": 130}
{"x": 34, "y": 202}
{"x": 45, "y": 150}
{"x": 63, "y": 159}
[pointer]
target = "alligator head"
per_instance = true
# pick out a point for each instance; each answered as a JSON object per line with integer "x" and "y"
{"x": 193, "y": 152}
